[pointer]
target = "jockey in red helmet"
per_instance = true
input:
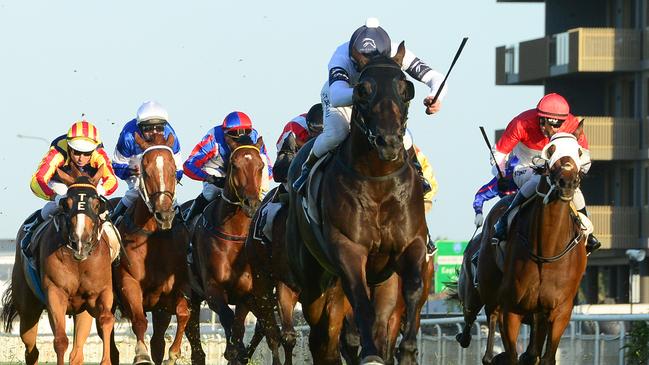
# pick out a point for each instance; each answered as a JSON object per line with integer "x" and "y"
{"x": 525, "y": 137}
{"x": 209, "y": 158}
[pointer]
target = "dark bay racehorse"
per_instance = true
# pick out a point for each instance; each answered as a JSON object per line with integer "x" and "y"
{"x": 74, "y": 261}
{"x": 373, "y": 223}
{"x": 218, "y": 237}
{"x": 273, "y": 286}
{"x": 152, "y": 275}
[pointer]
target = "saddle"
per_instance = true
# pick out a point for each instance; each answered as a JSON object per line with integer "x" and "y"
{"x": 265, "y": 216}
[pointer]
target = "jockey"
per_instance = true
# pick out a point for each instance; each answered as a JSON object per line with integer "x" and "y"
{"x": 496, "y": 187}
{"x": 151, "y": 119}
{"x": 525, "y": 137}
{"x": 302, "y": 128}
{"x": 369, "y": 40}
{"x": 82, "y": 147}
{"x": 208, "y": 160}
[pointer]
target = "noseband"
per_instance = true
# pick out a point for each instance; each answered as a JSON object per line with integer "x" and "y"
{"x": 144, "y": 194}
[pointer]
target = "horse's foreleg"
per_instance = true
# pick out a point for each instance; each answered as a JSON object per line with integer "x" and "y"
{"x": 132, "y": 302}
{"x": 238, "y": 330}
{"x": 410, "y": 264}
{"x": 556, "y": 327}
{"x": 192, "y": 332}
{"x": 350, "y": 339}
{"x": 354, "y": 282}
{"x": 325, "y": 316}
{"x": 57, "y": 305}
{"x": 106, "y": 321}
{"x": 160, "y": 320}
{"x": 217, "y": 301}
{"x": 385, "y": 325}
{"x": 489, "y": 350}
{"x": 287, "y": 299}
{"x": 82, "y": 325}
{"x": 182, "y": 317}
{"x": 509, "y": 332}
{"x": 538, "y": 332}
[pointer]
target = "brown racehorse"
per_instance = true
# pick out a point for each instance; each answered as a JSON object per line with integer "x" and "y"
{"x": 152, "y": 275}
{"x": 273, "y": 286}
{"x": 373, "y": 224}
{"x": 218, "y": 236}
{"x": 544, "y": 262}
{"x": 73, "y": 258}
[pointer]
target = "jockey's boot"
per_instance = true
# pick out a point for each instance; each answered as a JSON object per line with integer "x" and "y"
{"x": 299, "y": 183}
{"x": 500, "y": 228}
{"x": 30, "y": 225}
{"x": 197, "y": 207}
{"x": 118, "y": 211}
{"x": 424, "y": 183}
{"x": 592, "y": 243}
{"x": 430, "y": 246}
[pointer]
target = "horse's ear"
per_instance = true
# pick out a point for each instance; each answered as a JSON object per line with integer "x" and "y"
{"x": 260, "y": 142}
{"x": 551, "y": 151}
{"x": 401, "y": 52}
{"x": 64, "y": 177}
{"x": 170, "y": 141}
{"x": 232, "y": 144}
{"x": 580, "y": 130}
{"x": 140, "y": 141}
{"x": 361, "y": 60}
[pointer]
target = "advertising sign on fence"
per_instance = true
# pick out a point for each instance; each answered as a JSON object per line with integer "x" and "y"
{"x": 448, "y": 261}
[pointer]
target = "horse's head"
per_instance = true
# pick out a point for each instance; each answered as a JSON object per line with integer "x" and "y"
{"x": 82, "y": 207}
{"x": 381, "y": 100}
{"x": 158, "y": 178}
{"x": 563, "y": 164}
{"x": 245, "y": 170}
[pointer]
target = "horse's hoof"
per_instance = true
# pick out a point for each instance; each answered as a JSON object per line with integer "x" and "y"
{"x": 526, "y": 359}
{"x": 463, "y": 339}
{"x": 372, "y": 360}
{"x": 143, "y": 360}
{"x": 501, "y": 358}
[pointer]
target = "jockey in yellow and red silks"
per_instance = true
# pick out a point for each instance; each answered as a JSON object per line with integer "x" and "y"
{"x": 82, "y": 147}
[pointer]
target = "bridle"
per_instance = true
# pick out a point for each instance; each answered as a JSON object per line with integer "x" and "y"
{"x": 82, "y": 208}
{"x": 237, "y": 199}
{"x": 144, "y": 194}
{"x": 360, "y": 108}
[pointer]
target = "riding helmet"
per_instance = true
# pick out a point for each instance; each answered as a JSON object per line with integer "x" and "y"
{"x": 553, "y": 106}
{"x": 83, "y": 136}
{"x": 370, "y": 39}
{"x": 151, "y": 112}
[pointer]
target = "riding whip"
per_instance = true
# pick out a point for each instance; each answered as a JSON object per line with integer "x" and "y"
{"x": 486, "y": 140}
{"x": 457, "y": 55}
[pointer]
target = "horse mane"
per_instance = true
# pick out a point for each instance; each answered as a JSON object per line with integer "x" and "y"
{"x": 244, "y": 140}
{"x": 158, "y": 139}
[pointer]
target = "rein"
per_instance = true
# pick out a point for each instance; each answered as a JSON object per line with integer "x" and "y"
{"x": 575, "y": 241}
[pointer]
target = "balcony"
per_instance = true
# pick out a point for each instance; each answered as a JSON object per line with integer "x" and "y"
{"x": 577, "y": 50}
{"x": 611, "y": 138}
{"x": 616, "y": 227}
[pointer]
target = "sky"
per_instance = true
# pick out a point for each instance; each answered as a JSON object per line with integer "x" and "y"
{"x": 60, "y": 60}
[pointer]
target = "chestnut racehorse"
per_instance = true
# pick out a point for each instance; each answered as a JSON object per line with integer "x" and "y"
{"x": 74, "y": 261}
{"x": 218, "y": 237}
{"x": 152, "y": 275}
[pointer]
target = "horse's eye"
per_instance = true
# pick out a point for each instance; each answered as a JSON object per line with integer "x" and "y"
{"x": 406, "y": 90}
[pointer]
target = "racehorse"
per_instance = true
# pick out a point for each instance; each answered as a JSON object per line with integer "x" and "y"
{"x": 218, "y": 236}
{"x": 152, "y": 275}
{"x": 544, "y": 260}
{"x": 372, "y": 223}
{"x": 73, "y": 257}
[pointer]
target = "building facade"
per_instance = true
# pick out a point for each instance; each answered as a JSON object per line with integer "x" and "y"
{"x": 596, "y": 54}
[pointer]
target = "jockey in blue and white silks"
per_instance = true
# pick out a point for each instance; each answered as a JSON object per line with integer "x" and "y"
{"x": 151, "y": 119}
